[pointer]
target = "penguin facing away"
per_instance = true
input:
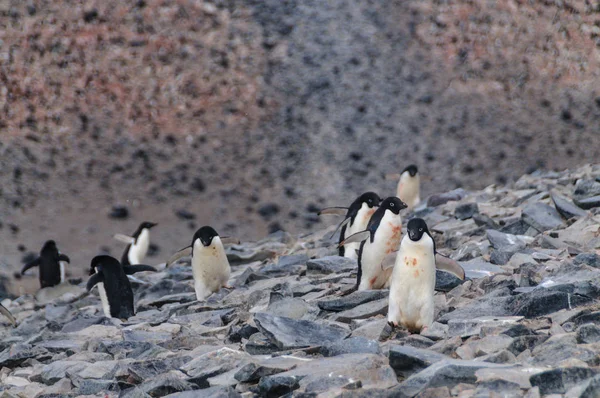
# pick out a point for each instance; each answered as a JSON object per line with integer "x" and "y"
{"x": 114, "y": 287}
{"x": 381, "y": 238}
{"x": 51, "y": 265}
{"x": 412, "y": 284}
{"x": 409, "y": 187}
{"x": 138, "y": 244}
{"x": 210, "y": 265}
{"x": 356, "y": 219}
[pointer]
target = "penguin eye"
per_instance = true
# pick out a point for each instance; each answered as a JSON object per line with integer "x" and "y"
{"x": 391, "y": 204}
{"x": 420, "y": 229}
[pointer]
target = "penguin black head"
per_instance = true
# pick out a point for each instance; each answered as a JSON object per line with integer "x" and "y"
{"x": 206, "y": 235}
{"x": 50, "y": 244}
{"x": 416, "y": 228}
{"x": 147, "y": 225}
{"x": 370, "y": 198}
{"x": 106, "y": 264}
{"x": 393, "y": 204}
{"x": 412, "y": 170}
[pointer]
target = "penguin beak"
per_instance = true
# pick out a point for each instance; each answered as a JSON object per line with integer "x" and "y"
{"x": 403, "y": 205}
{"x": 152, "y": 224}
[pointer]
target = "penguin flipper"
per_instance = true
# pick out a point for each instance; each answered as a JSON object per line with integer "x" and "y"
{"x": 132, "y": 269}
{"x": 64, "y": 257}
{"x": 7, "y": 314}
{"x": 94, "y": 279}
{"x": 337, "y": 211}
{"x": 447, "y": 264}
{"x": 32, "y": 264}
{"x": 392, "y": 176}
{"x": 186, "y": 251}
{"x": 346, "y": 221}
{"x": 228, "y": 240}
{"x": 355, "y": 238}
{"x": 124, "y": 238}
{"x": 389, "y": 260}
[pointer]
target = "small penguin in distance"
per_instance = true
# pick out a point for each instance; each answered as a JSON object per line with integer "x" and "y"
{"x": 412, "y": 284}
{"x": 210, "y": 265}
{"x": 138, "y": 244}
{"x": 409, "y": 187}
{"x": 51, "y": 265}
{"x": 381, "y": 238}
{"x": 356, "y": 219}
{"x": 115, "y": 290}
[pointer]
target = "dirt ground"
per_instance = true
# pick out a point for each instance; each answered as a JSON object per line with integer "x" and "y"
{"x": 250, "y": 115}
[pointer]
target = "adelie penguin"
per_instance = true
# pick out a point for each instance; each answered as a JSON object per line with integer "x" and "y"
{"x": 381, "y": 237}
{"x": 357, "y": 217}
{"x": 210, "y": 266}
{"x": 114, "y": 287}
{"x": 51, "y": 264}
{"x": 412, "y": 284}
{"x": 138, "y": 244}
{"x": 409, "y": 187}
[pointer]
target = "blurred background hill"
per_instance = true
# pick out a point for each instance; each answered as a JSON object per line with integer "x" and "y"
{"x": 250, "y": 115}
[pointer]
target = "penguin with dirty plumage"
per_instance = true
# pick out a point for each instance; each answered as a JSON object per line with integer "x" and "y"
{"x": 210, "y": 265}
{"x": 137, "y": 244}
{"x": 409, "y": 187}
{"x": 381, "y": 237}
{"x": 115, "y": 290}
{"x": 51, "y": 264}
{"x": 412, "y": 284}
{"x": 357, "y": 217}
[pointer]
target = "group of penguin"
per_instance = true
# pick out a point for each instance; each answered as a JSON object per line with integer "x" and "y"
{"x": 370, "y": 233}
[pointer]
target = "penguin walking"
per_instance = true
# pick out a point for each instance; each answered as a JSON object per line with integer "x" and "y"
{"x": 51, "y": 265}
{"x": 412, "y": 284}
{"x": 381, "y": 238}
{"x": 114, "y": 287}
{"x": 356, "y": 219}
{"x": 138, "y": 244}
{"x": 210, "y": 266}
{"x": 409, "y": 187}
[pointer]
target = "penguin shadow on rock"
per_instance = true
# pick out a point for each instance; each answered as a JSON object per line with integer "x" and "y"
{"x": 114, "y": 288}
{"x": 210, "y": 266}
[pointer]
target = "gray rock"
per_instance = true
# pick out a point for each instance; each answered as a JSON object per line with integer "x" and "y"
{"x": 352, "y": 345}
{"x": 416, "y": 340}
{"x": 286, "y": 265}
{"x": 259, "y": 344}
{"x": 554, "y": 351}
{"x": 253, "y": 372}
{"x": 503, "y": 356}
{"x": 406, "y": 360}
{"x": 92, "y": 387}
{"x": 352, "y": 300}
{"x": 541, "y": 216}
{"x": 591, "y": 389}
{"x": 16, "y": 354}
{"x": 278, "y": 385}
{"x": 57, "y": 370}
{"x": 473, "y": 326}
{"x": 448, "y": 372}
{"x": 560, "y": 380}
{"x": 505, "y": 242}
{"x": 162, "y": 385}
{"x": 523, "y": 343}
{"x": 591, "y": 259}
{"x": 588, "y": 333}
{"x": 366, "y": 310}
{"x": 331, "y": 265}
{"x": 216, "y": 362}
{"x": 466, "y": 211}
{"x": 544, "y": 301}
{"x": 499, "y": 257}
{"x": 289, "y": 333}
{"x": 211, "y": 392}
{"x": 588, "y": 203}
{"x": 373, "y": 329}
{"x": 566, "y": 208}
{"x": 446, "y": 281}
{"x": 442, "y": 198}
{"x": 141, "y": 371}
{"x": 294, "y": 308}
{"x": 479, "y": 268}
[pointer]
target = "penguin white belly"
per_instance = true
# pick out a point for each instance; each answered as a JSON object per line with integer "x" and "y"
{"x": 408, "y": 190}
{"x": 104, "y": 299}
{"x": 210, "y": 268}
{"x": 62, "y": 265}
{"x": 360, "y": 224}
{"x": 413, "y": 285}
{"x": 387, "y": 239}
{"x": 139, "y": 249}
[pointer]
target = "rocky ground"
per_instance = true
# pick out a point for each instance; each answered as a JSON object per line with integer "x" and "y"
{"x": 524, "y": 323}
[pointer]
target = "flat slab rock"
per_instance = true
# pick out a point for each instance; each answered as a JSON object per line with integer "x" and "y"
{"x": 289, "y": 333}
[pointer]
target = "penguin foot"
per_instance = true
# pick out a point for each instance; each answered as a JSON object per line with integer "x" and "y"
{"x": 393, "y": 324}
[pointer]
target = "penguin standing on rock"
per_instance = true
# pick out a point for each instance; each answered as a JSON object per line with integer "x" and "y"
{"x": 412, "y": 284}
{"x": 381, "y": 238}
{"x": 356, "y": 220}
{"x": 138, "y": 244}
{"x": 409, "y": 186}
{"x": 114, "y": 287}
{"x": 51, "y": 265}
{"x": 210, "y": 266}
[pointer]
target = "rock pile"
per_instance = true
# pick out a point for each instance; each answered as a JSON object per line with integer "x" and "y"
{"x": 523, "y": 324}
